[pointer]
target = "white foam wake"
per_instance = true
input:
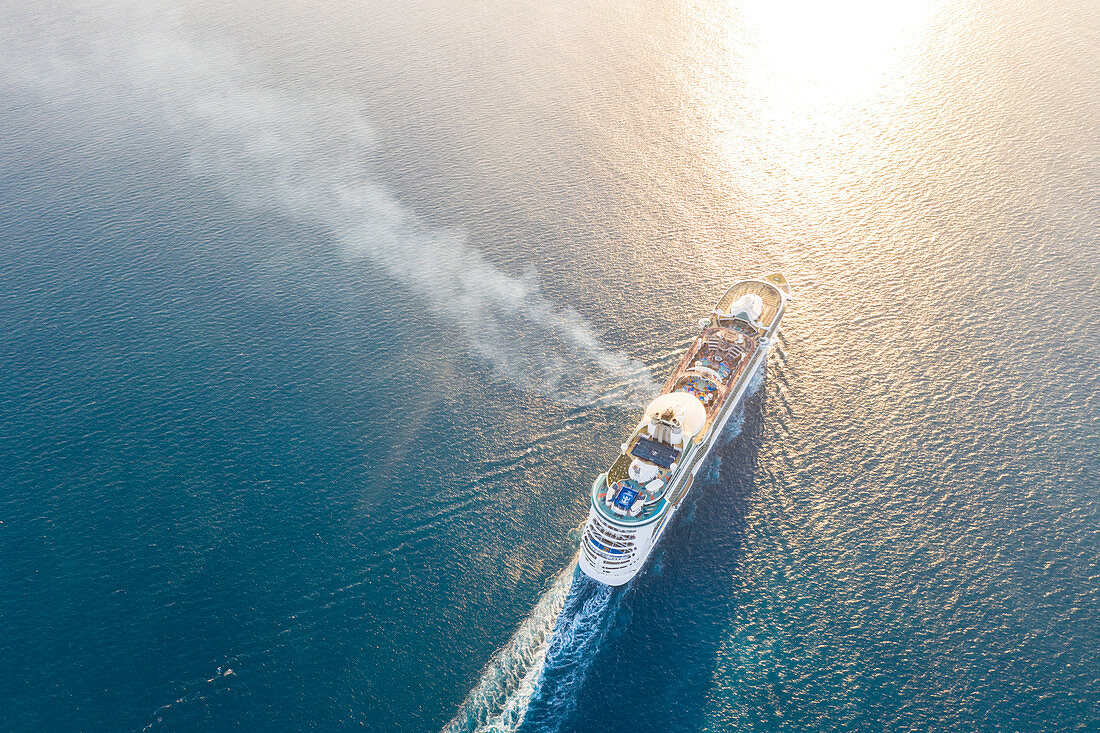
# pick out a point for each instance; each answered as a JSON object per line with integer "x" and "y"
{"x": 585, "y": 619}
{"x": 130, "y": 68}
{"x": 534, "y": 680}
{"x": 499, "y": 700}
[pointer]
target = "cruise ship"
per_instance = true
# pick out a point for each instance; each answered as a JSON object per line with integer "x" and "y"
{"x": 633, "y": 502}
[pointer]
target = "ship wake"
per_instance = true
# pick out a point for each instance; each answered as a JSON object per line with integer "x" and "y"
{"x": 582, "y": 626}
{"x": 532, "y": 682}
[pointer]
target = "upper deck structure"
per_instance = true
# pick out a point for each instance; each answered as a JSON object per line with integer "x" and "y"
{"x": 655, "y": 466}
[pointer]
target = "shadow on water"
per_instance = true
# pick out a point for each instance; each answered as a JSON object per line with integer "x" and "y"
{"x": 642, "y": 658}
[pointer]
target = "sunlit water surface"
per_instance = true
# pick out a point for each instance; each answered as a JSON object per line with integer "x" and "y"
{"x": 318, "y": 319}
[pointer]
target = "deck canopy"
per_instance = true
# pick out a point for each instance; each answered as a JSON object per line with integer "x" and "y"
{"x": 687, "y": 408}
{"x": 768, "y": 297}
{"x": 747, "y": 308}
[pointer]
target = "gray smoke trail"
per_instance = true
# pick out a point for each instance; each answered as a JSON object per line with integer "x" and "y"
{"x": 114, "y": 65}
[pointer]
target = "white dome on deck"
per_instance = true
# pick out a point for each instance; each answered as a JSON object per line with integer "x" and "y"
{"x": 686, "y": 407}
{"x": 748, "y": 307}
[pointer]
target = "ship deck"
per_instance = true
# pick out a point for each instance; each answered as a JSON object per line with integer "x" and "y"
{"x": 650, "y": 510}
{"x": 769, "y": 294}
{"x": 710, "y": 369}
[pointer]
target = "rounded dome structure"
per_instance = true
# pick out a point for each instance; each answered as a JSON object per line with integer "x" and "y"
{"x": 686, "y": 408}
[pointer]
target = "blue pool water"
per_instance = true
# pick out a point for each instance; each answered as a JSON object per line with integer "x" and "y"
{"x": 317, "y": 321}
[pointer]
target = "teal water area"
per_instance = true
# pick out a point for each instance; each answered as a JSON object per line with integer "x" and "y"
{"x": 317, "y": 321}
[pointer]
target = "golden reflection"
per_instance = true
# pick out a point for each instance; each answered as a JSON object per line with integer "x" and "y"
{"x": 826, "y": 54}
{"x": 800, "y": 99}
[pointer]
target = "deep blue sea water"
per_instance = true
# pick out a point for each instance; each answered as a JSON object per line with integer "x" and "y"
{"x": 318, "y": 319}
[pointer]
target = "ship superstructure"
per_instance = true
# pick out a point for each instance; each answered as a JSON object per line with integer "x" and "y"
{"x": 634, "y": 500}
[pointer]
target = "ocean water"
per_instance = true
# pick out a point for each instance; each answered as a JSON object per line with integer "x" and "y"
{"x": 318, "y": 319}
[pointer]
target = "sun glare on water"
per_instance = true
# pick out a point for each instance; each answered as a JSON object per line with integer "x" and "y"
{"x": 793, "y": 98}
{"x": 826, "y": 54}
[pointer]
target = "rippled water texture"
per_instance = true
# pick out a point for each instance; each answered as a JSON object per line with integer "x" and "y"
{"x": 318, "y": 319}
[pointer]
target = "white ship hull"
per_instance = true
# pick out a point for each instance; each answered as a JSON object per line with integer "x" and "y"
{"x": 616, "y": 545}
